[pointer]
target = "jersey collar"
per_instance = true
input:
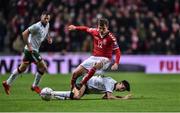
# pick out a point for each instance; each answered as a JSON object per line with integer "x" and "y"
{"x": 114, "y": 86}
{"x": 44, "y": 25}
{"x": 103, "y": 36}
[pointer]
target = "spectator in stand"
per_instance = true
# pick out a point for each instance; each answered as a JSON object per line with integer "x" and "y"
{"x": 139, "y": 24}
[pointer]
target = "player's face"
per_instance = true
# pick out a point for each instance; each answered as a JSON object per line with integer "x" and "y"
{"x": 120, "y": 87}
{"x": 102, "y": 29}
{"x": 45, "y": 19}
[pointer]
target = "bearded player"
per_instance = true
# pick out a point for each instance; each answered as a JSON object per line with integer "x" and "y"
{"x": 33, "y": 37}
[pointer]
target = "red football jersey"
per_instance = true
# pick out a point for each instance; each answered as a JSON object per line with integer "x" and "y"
{"x": 102, "y": 46}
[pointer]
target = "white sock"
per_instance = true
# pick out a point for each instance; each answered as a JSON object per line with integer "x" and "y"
{"x": 12, "y": 77}
{"x": 61, "y": 94}
{"x": 60, "y": 98}
{"x": 37, "y": 79}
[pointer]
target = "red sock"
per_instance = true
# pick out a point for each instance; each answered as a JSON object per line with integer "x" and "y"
{"x": 88, "y": 76}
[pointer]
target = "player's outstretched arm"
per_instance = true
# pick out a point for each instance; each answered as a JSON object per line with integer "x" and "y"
{"x": 81, "y": 28}
{"x": 118, "y": 54}
{"x": 128, "y": 96}
{"x": 109, "y": 95}
{"x": 71, "y": 27}
{"x": 117, "y": 51}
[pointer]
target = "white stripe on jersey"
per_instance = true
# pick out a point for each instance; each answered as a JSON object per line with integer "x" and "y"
{"x": 111, "y": 35}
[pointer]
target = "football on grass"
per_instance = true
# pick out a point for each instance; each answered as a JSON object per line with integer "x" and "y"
{"x": 46, "y": 93}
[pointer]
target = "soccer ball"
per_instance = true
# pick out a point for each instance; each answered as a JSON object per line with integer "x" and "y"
{"x": 46, "y": 93}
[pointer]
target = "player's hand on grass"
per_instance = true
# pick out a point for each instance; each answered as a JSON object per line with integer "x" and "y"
{"x": 104, "y": 96}
{"x": 119, "y": 96}
{"x": 114, "y": 66}
{"x": 127, "y": 96}
{"x": 71, "y": 27}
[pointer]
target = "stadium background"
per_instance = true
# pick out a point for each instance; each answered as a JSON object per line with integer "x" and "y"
{"x": 145, "y": 29}
{"x": 141, "y": 26}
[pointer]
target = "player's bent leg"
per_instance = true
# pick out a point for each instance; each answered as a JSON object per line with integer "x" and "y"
{"x": 76, "y": 73}
{"x": 62, "y": 95}
{"x": 79, "y": 93}
{"x": 36, "y": 82}
{"x": 23, "y": 67}
{"x": 6, "y": 84}
{"x": 97, "y": 65}
{"x": 41, "y": 69}
{"x": 42, "y": 66}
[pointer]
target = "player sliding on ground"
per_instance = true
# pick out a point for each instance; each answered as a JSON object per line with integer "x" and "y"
{"x": 33, "y": 36}
{"x": 104, "y": 43}
{"x": 95, "y": 85}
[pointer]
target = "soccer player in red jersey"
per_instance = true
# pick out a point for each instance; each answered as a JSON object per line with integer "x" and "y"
{"x": 104, "y": 43}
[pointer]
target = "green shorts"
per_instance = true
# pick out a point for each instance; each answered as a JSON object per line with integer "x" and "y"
{"x": 78, "y": 80}
{"x": 78, "y": 84}
{"x": 33, "y": 57}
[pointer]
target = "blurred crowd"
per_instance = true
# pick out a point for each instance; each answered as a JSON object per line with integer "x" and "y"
{"x": 141, "y": 26}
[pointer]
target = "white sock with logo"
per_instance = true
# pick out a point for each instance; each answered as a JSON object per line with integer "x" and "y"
{"x": 37, "y": 79}
{"x": 12, "y": 77}
{"x": 61, "y": 94}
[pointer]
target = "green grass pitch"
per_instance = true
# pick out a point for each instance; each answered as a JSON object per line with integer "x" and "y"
{"x": 160, "y": 93}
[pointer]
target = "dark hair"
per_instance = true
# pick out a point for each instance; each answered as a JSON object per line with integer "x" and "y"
{"x": 103, "y": 22}
{"x": 45, "y": 13}
{"x": 126, "y": 84}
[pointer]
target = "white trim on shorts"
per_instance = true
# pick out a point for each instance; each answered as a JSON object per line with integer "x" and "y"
{"x": 90, "y": 62}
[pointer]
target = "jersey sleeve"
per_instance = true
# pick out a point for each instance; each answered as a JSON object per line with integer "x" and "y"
{"x": 109, "y": 84}
{"x": 33, "y": 28}
{"x": 86, "y": 29}
{"x": 115, "y": 44}
{"x": 91, "y": 30}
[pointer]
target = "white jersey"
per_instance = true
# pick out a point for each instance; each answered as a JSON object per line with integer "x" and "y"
{"x": 99, "y": 84}
{"x": 38, "y": 33}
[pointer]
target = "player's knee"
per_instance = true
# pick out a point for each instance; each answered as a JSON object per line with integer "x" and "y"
{"x": 41, "y": 71}
{"x": 75, "y": 74}
{"x": 22, "y": 68}
{"x": 45, "y": 67}
{"x": 42, "y": 65}
{"x": 42, "y": 68}
{"x": 98, "y": 65}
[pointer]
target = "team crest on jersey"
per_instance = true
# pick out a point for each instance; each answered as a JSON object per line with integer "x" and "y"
{"x": 104, "y": 42}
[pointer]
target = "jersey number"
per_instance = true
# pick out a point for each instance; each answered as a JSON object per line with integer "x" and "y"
{"x": 100, "y": 44}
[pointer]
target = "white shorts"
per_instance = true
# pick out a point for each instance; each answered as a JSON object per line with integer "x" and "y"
{"x": 90, "y": 62}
